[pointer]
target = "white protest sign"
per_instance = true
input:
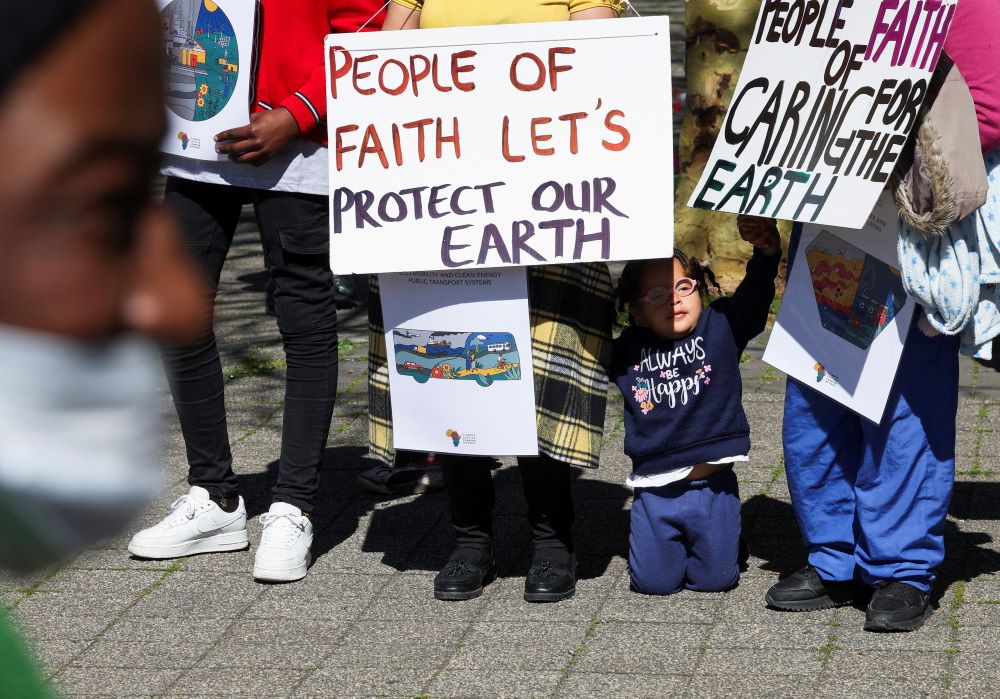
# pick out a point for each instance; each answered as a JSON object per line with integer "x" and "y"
{"x": 845, "y": 315}
{"x": 500, "y": 146}
{"x": 828, "y": 94}
{"x": 208, "y": 50}
{"x": 459, "y": 351}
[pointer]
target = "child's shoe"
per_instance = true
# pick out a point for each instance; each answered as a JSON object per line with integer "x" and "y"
{"x": 552, "y": 576}
{"x": 805, "y": 591}
{"x": 896, "y": 606}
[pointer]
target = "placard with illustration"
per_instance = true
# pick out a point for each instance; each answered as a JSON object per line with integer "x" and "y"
{"x": 459, "y": 353}
{"x": 208, "y": 48}
{"x": 845, "y": 316}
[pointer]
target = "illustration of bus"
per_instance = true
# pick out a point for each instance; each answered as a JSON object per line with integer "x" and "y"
{"x": 483, "y": 357}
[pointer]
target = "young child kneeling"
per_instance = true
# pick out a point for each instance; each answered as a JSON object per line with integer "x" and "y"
{"x": 678, "y": 367}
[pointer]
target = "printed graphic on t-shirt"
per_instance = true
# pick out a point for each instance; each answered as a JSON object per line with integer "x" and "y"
{"x": 671, "y": 377}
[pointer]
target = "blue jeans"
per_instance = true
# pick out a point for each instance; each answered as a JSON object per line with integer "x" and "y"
{"x": 872, "y": 499}
{"x": 294, "y": 232}
{"x": 686, "y": 535}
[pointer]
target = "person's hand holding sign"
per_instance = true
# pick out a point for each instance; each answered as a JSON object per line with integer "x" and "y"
{"x": 267, "y": 134}
{"x": 762, "y": 233}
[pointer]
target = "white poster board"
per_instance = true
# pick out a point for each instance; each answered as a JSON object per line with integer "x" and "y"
{"x": 845, "y": 315}
{"x": 828, "y": 94}
{"x": 208, "y": 50}
{"x": 459, "y": 351}
{"x": 500, "y": 146}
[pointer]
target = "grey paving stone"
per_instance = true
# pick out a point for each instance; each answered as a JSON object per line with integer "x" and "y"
{"x": 673, "y": 609}
{"x": 926, "y": 667}
{"x": 749, "y": 685}
{"x": 363, "y": 682}
{"x": 600, "y": 685}
{"x": 203, "y": 594}
{"x": 641, "y": 648}
{"x": 744, "y": 662}
{"x": 117, "y": 682}
{"x": 883, "y": 687}
{"x": 479, "y": 684}
{"x": 771, "y": 629}
{"x": 331, "y": 597}
{"x": 397, "y": 645}
{"x": 290, "y": 643}
{"x": 518, "y": 646}
{"x": 272, "y": 681}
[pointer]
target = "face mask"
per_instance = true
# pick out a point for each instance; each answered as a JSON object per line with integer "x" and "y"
{"x": 79, "y": 442}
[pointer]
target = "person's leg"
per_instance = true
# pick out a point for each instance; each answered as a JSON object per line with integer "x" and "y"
{"x": 822, "y": 445}
{"x": 208, "y": 215}
{"x": 468, "y": 481}
{"x": 296, "y": 238}
{"x": 712, "y": 533}
{"x": 657, "y": 557}
{"x": 905, "y": 483}
{"x": 547, "y": 487}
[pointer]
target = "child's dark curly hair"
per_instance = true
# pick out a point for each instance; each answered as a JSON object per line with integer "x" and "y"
{"x": 631, "y": 278}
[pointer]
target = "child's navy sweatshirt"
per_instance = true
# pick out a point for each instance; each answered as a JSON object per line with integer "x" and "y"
{"x": 683, "y": 398}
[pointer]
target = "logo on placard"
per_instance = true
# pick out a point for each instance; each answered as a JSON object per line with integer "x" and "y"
{"x": 455, "y": 437}
{"x": 183, "y": 138}
{"x": 823, "y": 375}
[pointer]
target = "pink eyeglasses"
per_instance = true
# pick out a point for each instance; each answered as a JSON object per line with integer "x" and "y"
{"x": 660, "y": 295}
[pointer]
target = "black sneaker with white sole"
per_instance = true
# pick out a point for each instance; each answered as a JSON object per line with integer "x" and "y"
{"x": 805, "y": 591}
{"x": 896, "y": 606}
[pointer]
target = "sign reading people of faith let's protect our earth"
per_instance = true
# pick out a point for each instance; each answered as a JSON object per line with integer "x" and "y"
{"x": 499, "y": 146}
{"x": 828, "y": 94}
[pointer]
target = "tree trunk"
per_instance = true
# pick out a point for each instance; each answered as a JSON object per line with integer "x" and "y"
{"x": 717, "y": 35}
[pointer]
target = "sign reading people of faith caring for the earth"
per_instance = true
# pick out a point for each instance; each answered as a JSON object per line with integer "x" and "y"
{"x": 828, "y": 94}
{"x": 500, "y": 146}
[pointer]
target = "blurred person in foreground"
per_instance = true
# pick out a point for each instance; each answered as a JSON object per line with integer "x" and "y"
{"x": 90, "y": 276}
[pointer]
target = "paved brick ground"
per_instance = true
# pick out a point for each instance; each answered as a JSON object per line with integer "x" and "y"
{"x": 364, "y": 624}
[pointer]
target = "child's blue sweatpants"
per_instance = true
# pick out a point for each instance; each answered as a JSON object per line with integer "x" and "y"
{"x": 873, "y": 498}
{"x": 686, "y": 535}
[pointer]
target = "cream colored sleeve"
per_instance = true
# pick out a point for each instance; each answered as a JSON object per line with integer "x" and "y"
{"x": 579, "y": 5}
{"x": 411, "y": 4}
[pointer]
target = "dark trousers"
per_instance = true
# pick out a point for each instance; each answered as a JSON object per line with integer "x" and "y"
{"x": 294, "y": 233}
{"x": 469, "y": 484}
{"x": 686, "y": 535}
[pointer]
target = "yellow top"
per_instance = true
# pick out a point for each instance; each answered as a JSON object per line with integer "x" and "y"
{"x": 462, "y": 13}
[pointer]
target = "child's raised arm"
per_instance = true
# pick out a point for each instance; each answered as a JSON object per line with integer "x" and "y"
{"x": 747, "y": 309}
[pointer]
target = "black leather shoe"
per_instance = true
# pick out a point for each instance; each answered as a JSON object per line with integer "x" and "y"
{"x": 805, "y": 591}
{"x": 896, "y": 606}
{"x": 464, "y": 576}
{"x": 550, "y": 578}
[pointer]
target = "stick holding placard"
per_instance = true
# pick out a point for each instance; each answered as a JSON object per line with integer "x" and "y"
{"x": 827, "y": 98}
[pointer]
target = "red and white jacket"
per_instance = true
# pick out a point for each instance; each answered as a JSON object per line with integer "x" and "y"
{"x": 291, "y": 71}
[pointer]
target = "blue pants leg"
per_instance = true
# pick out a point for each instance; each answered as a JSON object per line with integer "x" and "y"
{"x": 874, "y": 497}
{"x": 686, "y": 535}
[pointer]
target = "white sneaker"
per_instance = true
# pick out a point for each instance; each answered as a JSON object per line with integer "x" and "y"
{"x": 283, "y": 554}
{"x": 195, "y": 525}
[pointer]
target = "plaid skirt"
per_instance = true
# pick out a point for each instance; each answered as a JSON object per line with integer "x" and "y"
{"x": 572, "y": 312}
